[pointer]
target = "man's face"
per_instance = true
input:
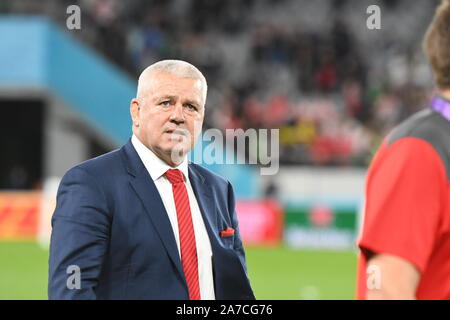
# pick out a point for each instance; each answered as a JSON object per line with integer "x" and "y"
{"x": 169, "y": 118}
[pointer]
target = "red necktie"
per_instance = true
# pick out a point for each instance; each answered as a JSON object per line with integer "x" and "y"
{"x": 186, "y": 232}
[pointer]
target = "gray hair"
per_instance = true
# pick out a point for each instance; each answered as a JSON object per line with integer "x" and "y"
{"x": 178, "y": 68}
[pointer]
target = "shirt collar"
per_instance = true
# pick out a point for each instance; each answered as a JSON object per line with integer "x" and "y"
{"x": 441, "y": 105}
{"x": 155, "y": 166}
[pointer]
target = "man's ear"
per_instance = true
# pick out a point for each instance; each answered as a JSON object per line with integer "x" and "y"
{"x": 134, "y": 111}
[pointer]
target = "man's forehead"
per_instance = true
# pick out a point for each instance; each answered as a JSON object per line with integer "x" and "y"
{"x": 163, "y": 78}
{"x": 175, "y": 84}
{"x": 172, "y": 88}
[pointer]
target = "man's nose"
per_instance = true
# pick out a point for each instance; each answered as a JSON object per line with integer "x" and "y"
{"x": 177, "y": 114}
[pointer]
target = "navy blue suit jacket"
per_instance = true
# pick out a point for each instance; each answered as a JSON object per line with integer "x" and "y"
{"x": 110, "y": 222}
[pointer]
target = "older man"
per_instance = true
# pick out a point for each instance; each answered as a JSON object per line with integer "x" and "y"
{"x": 142, "y": 223}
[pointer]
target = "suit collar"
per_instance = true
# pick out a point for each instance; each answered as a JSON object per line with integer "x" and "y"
{"x": 147, "y": 192}
{"x": 154, "y": 165}
{"x": 205, "y": 199}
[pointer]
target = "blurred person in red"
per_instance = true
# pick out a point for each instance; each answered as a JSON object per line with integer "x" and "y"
{"x": 405, "y": 239}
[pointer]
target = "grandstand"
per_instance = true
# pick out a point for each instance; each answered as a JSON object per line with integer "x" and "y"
{"x": 311, "y": 69}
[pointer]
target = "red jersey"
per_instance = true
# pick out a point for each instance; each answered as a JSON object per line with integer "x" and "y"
{"x": 407, "y": 213}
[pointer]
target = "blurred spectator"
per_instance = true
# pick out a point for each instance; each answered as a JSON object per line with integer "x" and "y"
{"x": 306, "y": 67}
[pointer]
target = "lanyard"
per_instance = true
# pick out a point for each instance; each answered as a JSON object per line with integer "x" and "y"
{"x": 442, "y": 106}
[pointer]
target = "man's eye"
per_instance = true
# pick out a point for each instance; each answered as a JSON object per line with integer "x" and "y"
{"x": 164, "y": 103}
{"x": 191, "y": 107}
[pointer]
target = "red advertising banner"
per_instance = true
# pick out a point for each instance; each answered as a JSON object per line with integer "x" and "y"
{"x": 260, "y": 222}
{"x": 19, "y": 215}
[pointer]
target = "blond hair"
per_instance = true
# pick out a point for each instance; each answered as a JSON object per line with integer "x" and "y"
{"x": 436, "y": 45}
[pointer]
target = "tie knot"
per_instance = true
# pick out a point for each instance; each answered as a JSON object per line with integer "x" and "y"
{"x": 174, "y": 176}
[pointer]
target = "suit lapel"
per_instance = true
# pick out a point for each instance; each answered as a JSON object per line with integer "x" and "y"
{"x": 206, "y": 204}
{"x": 210, "y": 216}
{"x": 147, "y": 192}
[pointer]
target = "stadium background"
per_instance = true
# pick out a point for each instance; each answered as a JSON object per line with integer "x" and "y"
{"x": 312, "y": 69}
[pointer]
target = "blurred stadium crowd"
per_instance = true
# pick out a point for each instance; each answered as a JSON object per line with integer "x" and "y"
{"x": 310, "y": 68}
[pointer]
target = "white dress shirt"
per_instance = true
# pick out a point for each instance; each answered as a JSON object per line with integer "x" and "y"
{"x": 156, "y": 168}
